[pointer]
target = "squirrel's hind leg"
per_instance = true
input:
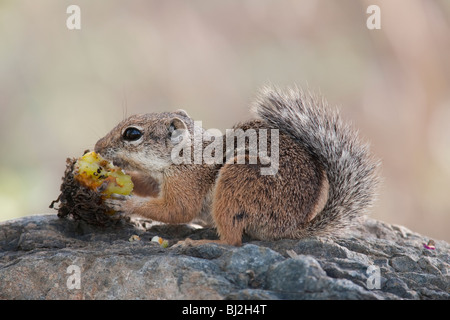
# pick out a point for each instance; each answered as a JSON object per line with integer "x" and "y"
{"x": 233, "y": 207}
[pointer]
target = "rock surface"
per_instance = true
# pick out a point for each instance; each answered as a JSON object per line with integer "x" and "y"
{"x": 44, "y": 257}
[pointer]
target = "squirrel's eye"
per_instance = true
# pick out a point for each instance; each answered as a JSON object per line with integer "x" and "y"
{"x": 131, "y": 134}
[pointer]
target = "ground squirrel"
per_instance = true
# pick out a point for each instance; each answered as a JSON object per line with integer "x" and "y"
{"x": 324, "y": 178}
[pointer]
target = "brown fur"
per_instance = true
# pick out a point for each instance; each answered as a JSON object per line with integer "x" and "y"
{"x": 265, "y": 207}
{"x": 272, "y": 206}
{"x": 176, "y": 203}
{"x": 290, "y": 204}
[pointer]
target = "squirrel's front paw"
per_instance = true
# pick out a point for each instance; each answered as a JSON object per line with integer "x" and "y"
{"x": 119, "y": 203}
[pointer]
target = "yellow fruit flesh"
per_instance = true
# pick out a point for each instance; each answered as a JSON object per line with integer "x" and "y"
{"x": 96, "y": 173}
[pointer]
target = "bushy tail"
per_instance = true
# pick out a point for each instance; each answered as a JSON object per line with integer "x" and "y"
{"x": 351, "y": 170}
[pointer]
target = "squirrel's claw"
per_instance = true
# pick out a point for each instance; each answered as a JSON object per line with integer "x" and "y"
{"x": 117, "y": 196}
{"x": 117, "y": 202}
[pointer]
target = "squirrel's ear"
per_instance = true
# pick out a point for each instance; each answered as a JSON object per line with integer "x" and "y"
{"x": 181, "y": 112}
{"x": 177, "y": 130}
{"x": 176, "y": 124}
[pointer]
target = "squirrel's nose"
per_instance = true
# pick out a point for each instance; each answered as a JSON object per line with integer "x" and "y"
{"x": 100, "y": 146}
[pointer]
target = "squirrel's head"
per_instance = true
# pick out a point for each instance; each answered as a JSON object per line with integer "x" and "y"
{"x": 144, "y": 142}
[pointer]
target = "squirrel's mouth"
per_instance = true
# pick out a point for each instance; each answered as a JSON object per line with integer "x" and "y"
{"x": 124, "y": 165}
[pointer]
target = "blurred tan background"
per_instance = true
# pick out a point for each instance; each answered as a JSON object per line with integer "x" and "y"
{"x": 61, "y": 90}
